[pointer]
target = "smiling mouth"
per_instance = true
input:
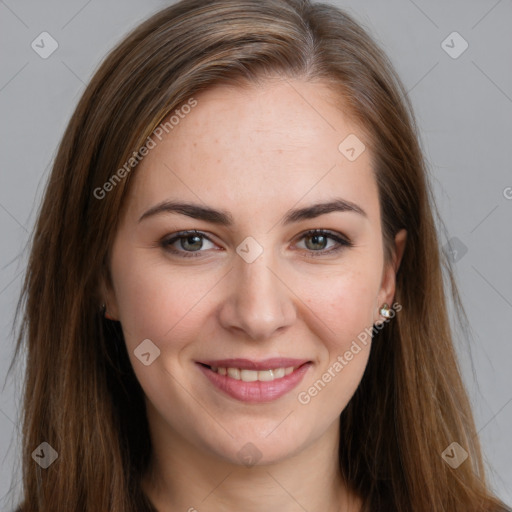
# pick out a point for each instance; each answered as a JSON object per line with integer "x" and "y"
{"x": 255, "y": 381}
{"x": 253, "y": 375}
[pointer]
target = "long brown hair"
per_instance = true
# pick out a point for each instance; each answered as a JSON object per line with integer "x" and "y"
{"x": 81, "y": 394}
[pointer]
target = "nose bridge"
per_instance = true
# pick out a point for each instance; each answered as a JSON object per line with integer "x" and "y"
{"x": 258, "y": 302}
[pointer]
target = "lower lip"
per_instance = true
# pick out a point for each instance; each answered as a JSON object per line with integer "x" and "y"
{"x": 257, "y": 391}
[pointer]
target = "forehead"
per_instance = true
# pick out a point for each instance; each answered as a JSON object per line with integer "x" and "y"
{"x": 256, "y": 146}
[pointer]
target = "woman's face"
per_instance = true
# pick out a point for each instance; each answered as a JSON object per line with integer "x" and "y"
{"x": 251, "y": 168}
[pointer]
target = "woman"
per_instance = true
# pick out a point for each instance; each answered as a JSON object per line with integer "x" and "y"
{"x": 235, "y": 298}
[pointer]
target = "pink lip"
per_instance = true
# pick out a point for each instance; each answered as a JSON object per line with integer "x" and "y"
{"x": 255, "y": 392}
{"x": 247, "y": 364}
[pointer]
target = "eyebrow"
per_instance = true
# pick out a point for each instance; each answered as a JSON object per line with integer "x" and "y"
{"x": 224, "y": 218}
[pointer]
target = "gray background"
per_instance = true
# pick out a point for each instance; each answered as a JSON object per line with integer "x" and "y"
{"x": 464, "y": 109}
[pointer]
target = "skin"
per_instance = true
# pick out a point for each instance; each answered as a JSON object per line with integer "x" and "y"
{"x": 257, "y": 152}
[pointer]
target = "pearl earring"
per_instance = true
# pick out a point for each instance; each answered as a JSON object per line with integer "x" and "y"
{"x": 385, "y": 311}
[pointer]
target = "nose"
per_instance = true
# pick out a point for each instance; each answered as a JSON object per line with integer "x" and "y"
{"x": 258, "y": 302}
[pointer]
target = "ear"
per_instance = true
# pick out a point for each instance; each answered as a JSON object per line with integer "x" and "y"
{"x": 388, "y": 283}
{"x": 108, "y": 296}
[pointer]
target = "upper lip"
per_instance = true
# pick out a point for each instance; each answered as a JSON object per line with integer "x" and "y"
{"x": 264, "y": 364}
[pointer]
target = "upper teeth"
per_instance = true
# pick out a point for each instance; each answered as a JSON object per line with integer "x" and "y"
{"x": 254, "y": 375}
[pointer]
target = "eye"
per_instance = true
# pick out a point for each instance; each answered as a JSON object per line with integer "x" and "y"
{"x": 319, "y": 239}
{"x": 189, "y": 244}
{"x": 189, "y": 241}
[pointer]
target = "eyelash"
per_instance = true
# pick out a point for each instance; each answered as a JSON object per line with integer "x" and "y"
{"x": 342, "y": 242}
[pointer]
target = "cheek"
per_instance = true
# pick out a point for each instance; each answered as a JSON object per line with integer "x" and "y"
{"x": 155, "y": 301}
{"x": 346, "y": 308}
{"x": 345, "y": 303}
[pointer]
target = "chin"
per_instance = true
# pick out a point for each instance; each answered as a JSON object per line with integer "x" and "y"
{"x": 257, "y": 450}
